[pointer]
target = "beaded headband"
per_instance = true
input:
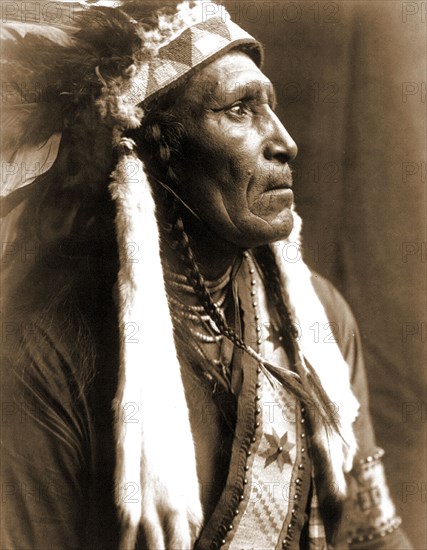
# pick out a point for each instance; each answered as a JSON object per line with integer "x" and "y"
{"x": 203, "y": 36}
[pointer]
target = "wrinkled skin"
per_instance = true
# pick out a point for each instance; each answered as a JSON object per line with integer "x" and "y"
{"x": 235, "y": 172}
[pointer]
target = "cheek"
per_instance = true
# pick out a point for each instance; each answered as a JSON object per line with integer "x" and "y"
{"x": 216, "y": 169}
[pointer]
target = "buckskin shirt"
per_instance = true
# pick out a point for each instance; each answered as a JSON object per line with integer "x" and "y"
{"x": 255, "y": 477}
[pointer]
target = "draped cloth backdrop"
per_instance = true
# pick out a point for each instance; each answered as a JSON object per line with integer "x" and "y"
{"x": 351, "y": 86}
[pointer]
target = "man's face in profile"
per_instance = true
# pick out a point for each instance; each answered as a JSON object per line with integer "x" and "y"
{"x": 235, "y": 171}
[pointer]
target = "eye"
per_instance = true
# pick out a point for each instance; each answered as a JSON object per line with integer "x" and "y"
{"x": 238, "y": 109}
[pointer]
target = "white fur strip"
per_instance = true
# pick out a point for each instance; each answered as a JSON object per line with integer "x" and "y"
{"x": 326, "y": 358}
{"x": 156, "y": 475}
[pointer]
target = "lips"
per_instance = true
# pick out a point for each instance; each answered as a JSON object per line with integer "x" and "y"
{"x": 283, "y": 194}
{"x": 278, "y": 189}
{"x": 278, "y": 186}
{"x": 271, "y": 202}
{"x": 280, "y": 179}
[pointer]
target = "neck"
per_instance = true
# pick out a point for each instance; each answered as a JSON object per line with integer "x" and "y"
{"x": 213, "y": 255}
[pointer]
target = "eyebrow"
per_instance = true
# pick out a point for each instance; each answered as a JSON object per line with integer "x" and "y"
{"x": 254, "y": 89}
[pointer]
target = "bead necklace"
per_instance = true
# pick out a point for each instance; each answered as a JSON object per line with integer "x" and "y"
{"x": 201, "y": 326}
{"x": 180, "y": 282}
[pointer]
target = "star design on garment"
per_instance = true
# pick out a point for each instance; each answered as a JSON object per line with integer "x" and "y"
{"x": 279, "y": 450}
{"x": 274, "y": 335}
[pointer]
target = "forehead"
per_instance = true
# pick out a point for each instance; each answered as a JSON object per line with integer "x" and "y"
{"x": 233, "y": 74}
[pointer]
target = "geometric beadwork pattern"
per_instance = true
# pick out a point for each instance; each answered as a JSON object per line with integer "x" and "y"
{"x": 274, "y": 466}
{"x": 263, "y": 518}
{"x": 194, "y": 45}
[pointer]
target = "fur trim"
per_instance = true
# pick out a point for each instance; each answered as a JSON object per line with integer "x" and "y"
{"x": 169, "y": 26}
{"x": 327, "y": 360}
{"x": 152, "y": 422}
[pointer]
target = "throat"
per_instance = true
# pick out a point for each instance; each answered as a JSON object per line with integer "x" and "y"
{"x": 214, "y": 255}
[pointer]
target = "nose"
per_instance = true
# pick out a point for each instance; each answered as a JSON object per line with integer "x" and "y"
{"x": 279, "y": 146}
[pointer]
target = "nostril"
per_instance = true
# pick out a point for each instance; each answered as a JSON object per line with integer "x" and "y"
{"x": 282, "y": 158}
{"x": 280, "y": 152}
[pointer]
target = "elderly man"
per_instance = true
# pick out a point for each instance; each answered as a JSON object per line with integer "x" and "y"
{"x": 161, "y": 386}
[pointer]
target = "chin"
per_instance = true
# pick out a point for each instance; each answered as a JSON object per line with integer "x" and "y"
{"x": 279, "y": 228}
{"x": 274, "y": 232}
{"x": 286, "y": 228}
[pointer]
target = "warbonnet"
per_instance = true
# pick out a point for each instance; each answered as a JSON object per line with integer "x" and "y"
{"x": 101, "y": 65}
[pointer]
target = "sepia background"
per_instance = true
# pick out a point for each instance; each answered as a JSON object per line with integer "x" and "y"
{"x": 351, "y": 85}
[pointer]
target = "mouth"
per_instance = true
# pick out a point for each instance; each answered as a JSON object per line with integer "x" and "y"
{"x": 284, "y": 184}
{"x": 274, "y": 186}
{"x": 273, "y": 201}
{"x": 285, "y": 194}
{"x": 281, "y": 181}
{"x": 280, "y": 191}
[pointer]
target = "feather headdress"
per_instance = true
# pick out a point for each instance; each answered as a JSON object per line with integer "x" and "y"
{"x": 90, "y": 68}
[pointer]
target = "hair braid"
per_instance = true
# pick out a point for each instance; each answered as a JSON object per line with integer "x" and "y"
{"x": 289, "y": 331}
{"x": 196, "y": 280}
{"x": 287, "y": 378}
{"x": 288, "y": 327}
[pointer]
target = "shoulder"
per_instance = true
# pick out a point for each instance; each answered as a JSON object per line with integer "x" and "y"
{"x": 42, "y": 372}
{"x": 332, "y": 300}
